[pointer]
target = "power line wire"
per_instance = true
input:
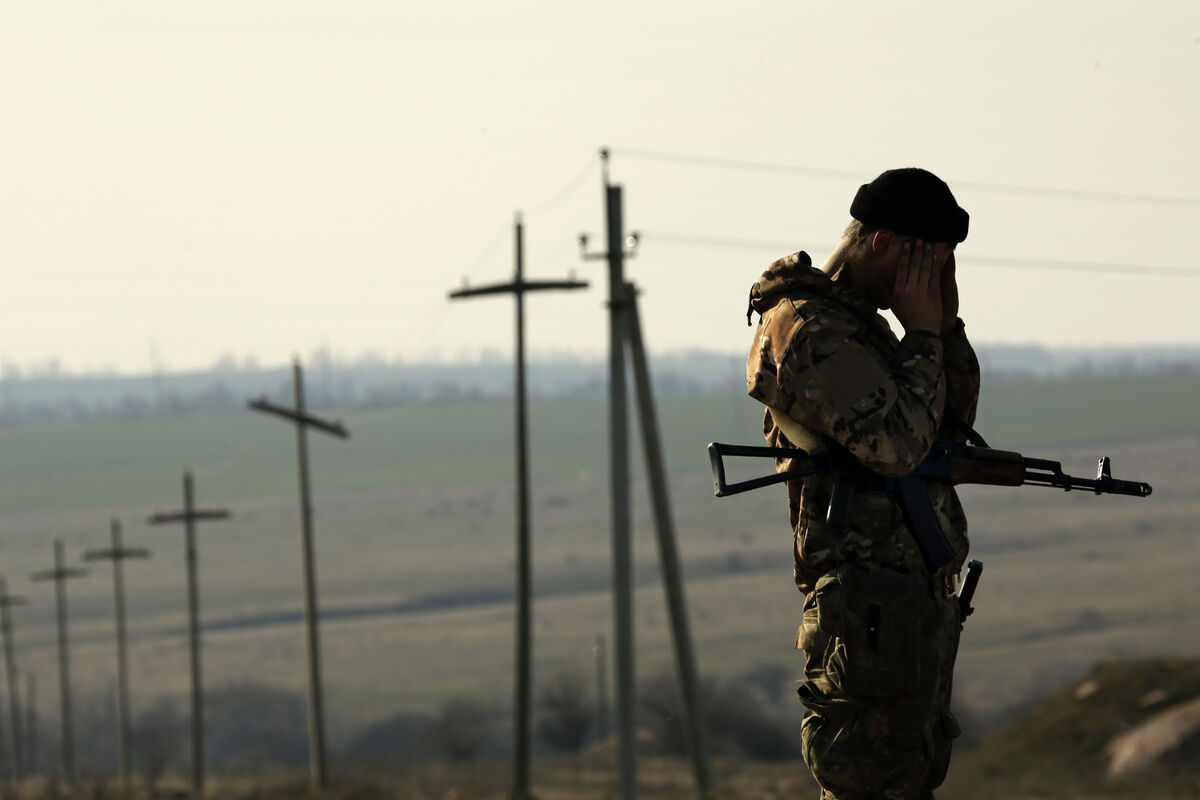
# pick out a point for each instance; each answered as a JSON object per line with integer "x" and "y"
{"x": 492, "y": 244}
{"x": 822, "y": 172}
{"x": 567, "y": 190}
{"x": 685, "y": 239}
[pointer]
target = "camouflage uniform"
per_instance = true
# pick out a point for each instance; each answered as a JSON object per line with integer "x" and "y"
{"x": 879, "y": 632}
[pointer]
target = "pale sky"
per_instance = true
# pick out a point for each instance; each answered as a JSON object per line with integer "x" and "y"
{"x": 184, "y": 180}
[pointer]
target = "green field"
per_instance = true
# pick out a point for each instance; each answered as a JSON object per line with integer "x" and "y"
{"x": 247, "y": 456}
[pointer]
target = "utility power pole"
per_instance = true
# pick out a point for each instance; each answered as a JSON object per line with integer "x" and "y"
{"x": 31, "y": 728}
{"x": 625, "y": 331}
{"x": 118, "y": 554}
{"x": 189, "y": 515}
{"x": 60, "y": 575}
{"x": 7, "y": 601}
{"x": 600, "y": 654}
{"x": 523, "y": 690}
{"x": 303, "y": 421}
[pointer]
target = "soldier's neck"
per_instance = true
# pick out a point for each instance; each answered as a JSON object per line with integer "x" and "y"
{"x": 837, "y": 258}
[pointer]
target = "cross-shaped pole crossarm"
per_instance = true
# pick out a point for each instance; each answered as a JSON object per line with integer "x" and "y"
{"x": 58, "y": 574}
{"x": 308, "y": 420}
{"x": 114, "y": 555}
{"x": 164, "y": 518}
{"x": 117, "y": 553}
{"x": 189, "y": 515}
{"x": 9, "y": 600}
{"x": 628, "y": 251}
{"x": 298, "y": 415}
{"x": 517, "y": 286}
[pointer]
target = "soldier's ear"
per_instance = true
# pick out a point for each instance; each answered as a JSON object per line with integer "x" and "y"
{"x": 883, "y": 241}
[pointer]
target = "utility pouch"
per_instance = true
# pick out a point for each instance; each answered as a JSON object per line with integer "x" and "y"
{"x": 872, "y": 617}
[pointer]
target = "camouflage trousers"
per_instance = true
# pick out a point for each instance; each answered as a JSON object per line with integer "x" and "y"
{"x": 880, "y": 647}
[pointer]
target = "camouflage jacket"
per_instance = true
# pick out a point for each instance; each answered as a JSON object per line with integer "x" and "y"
{"x": 827, "y": 363}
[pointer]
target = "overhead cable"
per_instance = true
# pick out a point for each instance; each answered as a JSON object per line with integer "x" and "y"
{"x": 651, "y": 237}
{"x": 824, "y": 172}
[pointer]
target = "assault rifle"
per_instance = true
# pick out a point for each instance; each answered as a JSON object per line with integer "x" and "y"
{"x": 948, "y": 462}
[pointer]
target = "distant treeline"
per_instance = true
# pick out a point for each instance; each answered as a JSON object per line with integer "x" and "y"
{"x": 49, "y": 394}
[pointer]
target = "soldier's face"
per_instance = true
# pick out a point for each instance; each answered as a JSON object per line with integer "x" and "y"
{"x": 882, "y": 283}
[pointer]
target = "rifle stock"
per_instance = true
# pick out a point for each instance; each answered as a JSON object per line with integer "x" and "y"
{"x": 801, "y": 464}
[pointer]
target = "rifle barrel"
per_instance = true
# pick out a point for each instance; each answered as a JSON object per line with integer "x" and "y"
{"x": 1105, "y": 485}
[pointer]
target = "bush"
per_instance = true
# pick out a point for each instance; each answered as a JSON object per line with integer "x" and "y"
{"x": 250, "y": 725}
{"x": 460, "y": 730}
{"x": 397, "y": 739}
{"x": 734, "y": 721}
{"x": 565, "y": 712}
{"x": 160, "y": 740}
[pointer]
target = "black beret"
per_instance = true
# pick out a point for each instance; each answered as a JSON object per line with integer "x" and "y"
{"x": 911, "y": 201}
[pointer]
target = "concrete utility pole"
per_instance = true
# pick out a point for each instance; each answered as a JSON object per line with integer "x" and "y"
{"x": 523, "y": 690}
{"x": 60, "y": 574}
{"x": 118, "y": 554}
{"x": 7, "y": 601}
{"x": 303, "y": 421}
{"x": 624, "y": 330}
{"x": 189, "y": 516}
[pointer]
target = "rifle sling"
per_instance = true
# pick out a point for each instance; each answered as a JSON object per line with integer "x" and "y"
{"x": 936, "y": 550}
{"x": 912, "y": 491}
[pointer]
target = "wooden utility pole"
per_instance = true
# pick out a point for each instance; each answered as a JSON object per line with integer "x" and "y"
{"x": 303, "y": 421}
{"x": 600, "y": 654}
{"x": 625, "y": 331}
{"x": 31, "y": 727}
{"x": 60, "y": 575}
{"x": 523, "y": 689}
{"x": 117, "y": 554}
{"x": 7, "y": 601}
{"x": 189, "y": 516}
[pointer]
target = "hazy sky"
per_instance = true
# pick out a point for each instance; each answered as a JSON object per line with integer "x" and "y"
{"x": 182, "y": 180}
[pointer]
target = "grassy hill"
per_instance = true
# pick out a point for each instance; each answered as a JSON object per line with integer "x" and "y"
{"x": 1058, "y": 748}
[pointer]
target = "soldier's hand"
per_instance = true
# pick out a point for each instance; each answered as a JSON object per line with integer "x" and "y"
{"x": 949, "y": 295}
{"x": 917, "y": 299}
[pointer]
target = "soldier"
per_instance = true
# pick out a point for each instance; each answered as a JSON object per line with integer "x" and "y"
{"x": 879, "y": 631}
